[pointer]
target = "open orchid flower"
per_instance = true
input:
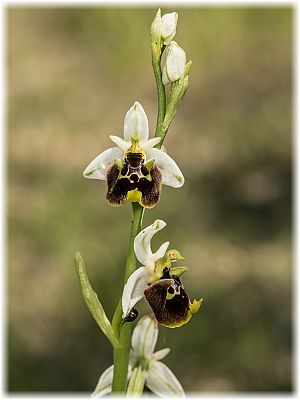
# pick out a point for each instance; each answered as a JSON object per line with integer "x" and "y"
{"x": 135, "y": 170}
{"x": 158, "y": 281}
{"x": 159, "y": 378}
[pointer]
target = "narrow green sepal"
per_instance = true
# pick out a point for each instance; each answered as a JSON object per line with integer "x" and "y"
{"x": 187, "y": 68}
{"x": 178, "y": 271}
{"x": 92, "y": 301}
{"x": 177, "y": 92}
{"x": 174, "y": 255}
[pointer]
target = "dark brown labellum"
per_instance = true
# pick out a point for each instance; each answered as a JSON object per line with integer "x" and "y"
{"x": 133, "y": 176}
{"x": 169, "y": 301}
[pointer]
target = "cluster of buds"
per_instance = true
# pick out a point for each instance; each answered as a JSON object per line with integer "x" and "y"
{"x": 173, "y": 57}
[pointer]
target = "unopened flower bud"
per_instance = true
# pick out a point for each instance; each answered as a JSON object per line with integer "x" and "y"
{"x": 172, "y": 63}
{"x": 168, "y": 27}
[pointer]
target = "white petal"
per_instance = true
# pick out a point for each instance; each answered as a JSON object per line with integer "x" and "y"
{"x": 136, "y": 121}
{"x": 142, "y": 241}
{"x": 134, "y": 289}
{"x": 161, "y": 251}
{"x": 159, "y": 355}
{"x": 120, "y": 142}
{"x": 144, "y": 337}
{"x": 175, "y": 62}
{"x": 104, "y": 384}
{"x": 98, "y": 167}
{"x": 146, "y": 146}
{"x": 161, "y": 381}
{"x": 171, "y": 174}
{"x": 168, "y": 26}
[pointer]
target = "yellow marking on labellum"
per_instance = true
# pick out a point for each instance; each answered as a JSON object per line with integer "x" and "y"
{"x": 194, "y": 307}
{"x": 119, "y": 163}
{"x": 178, "y": 271}
{"x": 135, "y": 196}
{"x": 149, "y": 164}
{"x": 171, "y": 295}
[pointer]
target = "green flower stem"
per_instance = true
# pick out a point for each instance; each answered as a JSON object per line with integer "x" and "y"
{"x": 161, "y": 93}
{"x": 123, "y": 331}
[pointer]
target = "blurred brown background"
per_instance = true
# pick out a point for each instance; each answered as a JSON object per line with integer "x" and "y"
{"x": 72, "y": 75}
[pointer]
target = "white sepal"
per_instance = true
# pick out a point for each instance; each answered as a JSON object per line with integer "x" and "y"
{"x": 104, "y": 384}
{"x": 142, "y": 242}
{"x": 144, "y": 337}
{"x": 136, "y": 121}
{"x": 97, "y": 168}
{"x": 134, "y": 289}
{"x": 171, "y": 174}
{"x": 161, "y": 381}
{"x": 168, "y": 27}
{"x": 173, "y": 63}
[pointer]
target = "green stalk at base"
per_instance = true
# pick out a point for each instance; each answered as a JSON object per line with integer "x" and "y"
{"x": 123, "y": 331}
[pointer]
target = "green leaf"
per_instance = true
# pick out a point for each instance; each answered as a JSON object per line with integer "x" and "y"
{"x": 93, "y": 302}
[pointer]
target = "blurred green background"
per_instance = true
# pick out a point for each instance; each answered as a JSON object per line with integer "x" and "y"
{"x": 72, "y": 75}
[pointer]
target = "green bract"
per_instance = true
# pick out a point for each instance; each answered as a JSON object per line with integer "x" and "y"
{"x": 93, "y": 302}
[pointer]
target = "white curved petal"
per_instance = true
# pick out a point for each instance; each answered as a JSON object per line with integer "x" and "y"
{"x": 160, "y": 354}
{"x": 105, "y": 382}
{"x": 161, "y": 251}
{"x": 120, "y": 142}
{"x": 134, "y": 289}
{"x": 136, "y": 121}
{"x": 161, "y": 381}
{"x": 142, "y": 241}
{"x": 146, "y": 146}
{"x": 144, "y": 337}
{"x": 171, "y": 174}
{"x": 98, "y": 167}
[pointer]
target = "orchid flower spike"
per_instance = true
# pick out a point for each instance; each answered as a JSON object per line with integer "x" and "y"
{"x": 159, "y": 378}
{"x": 158, "y": 281}
{"x": 135, "y": 170}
